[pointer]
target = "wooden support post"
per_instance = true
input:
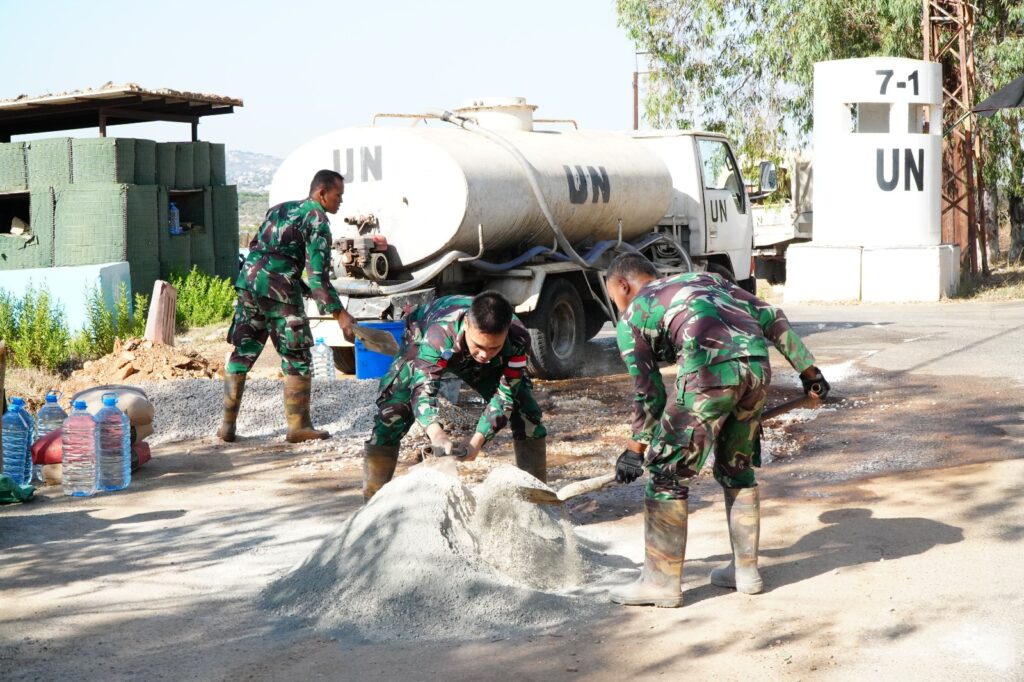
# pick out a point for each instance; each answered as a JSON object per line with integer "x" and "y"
{"x": 162, "y": 306}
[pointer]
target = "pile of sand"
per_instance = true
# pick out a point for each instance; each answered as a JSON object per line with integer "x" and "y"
{"x": 429, "y": 558}
{"x": 137, "y": 360}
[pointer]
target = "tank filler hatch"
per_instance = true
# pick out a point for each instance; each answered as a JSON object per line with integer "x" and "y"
{"x": 500, "y": 113}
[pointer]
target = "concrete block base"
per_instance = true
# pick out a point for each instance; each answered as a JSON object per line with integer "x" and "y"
{"x": 822, "y": 273}
{"x": 912, "y": 273}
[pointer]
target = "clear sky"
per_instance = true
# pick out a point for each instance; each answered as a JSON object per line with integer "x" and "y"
{"x": 304, "y": 68}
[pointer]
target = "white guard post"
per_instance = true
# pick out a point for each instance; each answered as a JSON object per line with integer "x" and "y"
{"x": 878, "y": 169}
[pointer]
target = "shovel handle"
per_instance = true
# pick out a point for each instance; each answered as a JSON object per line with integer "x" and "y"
{"x": 588, "y": 485}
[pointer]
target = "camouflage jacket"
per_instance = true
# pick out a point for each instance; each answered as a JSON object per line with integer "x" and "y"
{"x": 435, "y": 343}
{"x": 294, "y": 240}
{"x": 699, "y": 320}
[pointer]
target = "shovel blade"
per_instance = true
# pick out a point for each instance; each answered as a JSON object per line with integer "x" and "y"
{"x": 376, "y": 340}
{"x": 540, "y": 496}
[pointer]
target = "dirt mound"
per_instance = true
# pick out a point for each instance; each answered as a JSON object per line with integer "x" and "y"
{"x": 138, "y": 360}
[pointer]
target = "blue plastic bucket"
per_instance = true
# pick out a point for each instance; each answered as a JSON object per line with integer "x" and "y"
{"x": 370, "y": 365}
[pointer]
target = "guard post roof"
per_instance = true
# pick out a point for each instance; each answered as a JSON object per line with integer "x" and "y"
{"x": 107, "y": 105}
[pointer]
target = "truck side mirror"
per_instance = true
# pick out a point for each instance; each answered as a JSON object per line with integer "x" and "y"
{"x": 769, "y": 177}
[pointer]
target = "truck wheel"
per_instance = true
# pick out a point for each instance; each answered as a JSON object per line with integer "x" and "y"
{"x": 595, "y": 319}
{"x": 556, "y": 331}
{"x": 722, "y": 270}
{"x": 345, "y": 359}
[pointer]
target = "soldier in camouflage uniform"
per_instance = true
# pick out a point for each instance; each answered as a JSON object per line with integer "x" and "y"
{"x": 289, "y": 257}
{"x": 480, "y": 341}
{"x": 719, "y": 335}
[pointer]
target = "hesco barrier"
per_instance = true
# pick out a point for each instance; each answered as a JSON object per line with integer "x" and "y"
{"x": 49, "y": 161}
{"x": 145, "y": 162}
{"x": 175, "y": 250}
{"x": 13, "y": 168}
{"x": 183, "y": 166}
{"x": 198, "y": 210}
{"x": 107, "y": 222}
{"x": 103, "y": 159}
{"x": 200, "y": 164}
{"x": 225, "y": 230}
{"x": 218, "y": 165}
{"x": 166, "y": 163}
{"x": 36, "y": 249}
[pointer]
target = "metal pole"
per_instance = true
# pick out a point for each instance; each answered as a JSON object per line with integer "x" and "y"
{"x": 636, "y": 100}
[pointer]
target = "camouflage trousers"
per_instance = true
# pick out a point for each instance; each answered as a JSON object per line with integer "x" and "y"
{"x": 717, "y": 408}
{"x": 398, "y": 394}
{"x": 256, "y": 318}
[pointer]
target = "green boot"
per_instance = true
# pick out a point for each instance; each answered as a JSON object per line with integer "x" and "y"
{"x": 378, "y": 467}
{"x": 664, "y": 548}
{"x": 234, "y": 385}
{"x": 532, "y": 457}
{"x": 743, "y": 512}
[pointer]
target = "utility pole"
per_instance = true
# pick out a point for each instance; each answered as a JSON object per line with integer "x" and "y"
{"x": 948, "y": 30}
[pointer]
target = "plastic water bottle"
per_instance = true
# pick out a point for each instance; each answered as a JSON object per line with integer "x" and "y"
{"x": 114, "y": 452}
{"x": 49, "y": 418}
{"x": 323, "y": 361}
{"x": 174, "y": 219}
{"x": 79, "y": 452}
{"x": 17, "y": 439}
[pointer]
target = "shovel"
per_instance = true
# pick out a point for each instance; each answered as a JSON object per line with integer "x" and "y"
{"x": 590, "y": 485}
{"x": 376, "y": 340}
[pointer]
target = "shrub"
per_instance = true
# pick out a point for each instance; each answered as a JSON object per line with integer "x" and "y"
{"x": 104, "y": 326}
{"x": 35, "y": 329}
{"x": 202, "y": 299}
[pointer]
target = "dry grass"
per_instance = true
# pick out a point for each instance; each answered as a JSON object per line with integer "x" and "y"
{"x": 1005, "y": 283}
{"x": 30, "y": 384}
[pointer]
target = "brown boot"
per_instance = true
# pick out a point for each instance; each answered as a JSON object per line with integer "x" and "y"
{"x": 378, "y": 467}
{"x": 664, "y": 548}
{"x": 532, "y": 457}
{"x": 743, "y": 512}
{"x": 296, "y": 410}
{"x": 234, "y": 385}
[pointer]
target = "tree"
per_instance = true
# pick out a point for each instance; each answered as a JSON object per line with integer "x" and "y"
{"x": 746, "y": 67}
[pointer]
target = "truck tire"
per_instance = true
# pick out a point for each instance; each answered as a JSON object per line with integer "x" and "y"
{"x": 345, "y": 359}
{"x": 722, "y": 270}
{"x": 595, "y": 319}
{"x": 557, "y": 331}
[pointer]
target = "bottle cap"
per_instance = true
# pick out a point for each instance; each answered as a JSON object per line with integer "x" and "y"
{"x": 17, "y": 402}
{"x": 319, "y": 339}
{"x": 79, "y": 404}
{"x": 51, "y": 397}
{"x": 109, "y": 399}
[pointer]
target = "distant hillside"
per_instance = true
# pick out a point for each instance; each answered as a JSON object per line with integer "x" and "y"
{"x": 252, "y": 207}
{"x": 252, "y": 172}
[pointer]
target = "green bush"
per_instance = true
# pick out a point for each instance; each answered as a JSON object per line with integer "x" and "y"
{"x": 202, "y": 299}
{"x": 104, "y": 325}
{"x": 35, "y": 329}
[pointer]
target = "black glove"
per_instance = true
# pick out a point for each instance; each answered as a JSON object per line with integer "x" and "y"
{"x": 816, "y": 385}
{"x": 629, "y": 466}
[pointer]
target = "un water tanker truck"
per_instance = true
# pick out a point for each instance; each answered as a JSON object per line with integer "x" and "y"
{"x": 484, "y": 198}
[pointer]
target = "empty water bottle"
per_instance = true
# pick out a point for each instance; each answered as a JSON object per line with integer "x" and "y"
{"x": 79, "y": 452}
{"x": 173, "y": 219}
{"x": 49, "y": 418}
{"x": 17, "y": 440}
{"x": 323, "y": 361}
{"x": 114, "y": 453}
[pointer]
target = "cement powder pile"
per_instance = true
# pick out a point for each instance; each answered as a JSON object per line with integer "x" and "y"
{"x": 191, "y": 408}
{"x": 429, "y": 558}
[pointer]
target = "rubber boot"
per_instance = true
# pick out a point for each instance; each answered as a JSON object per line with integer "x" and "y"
{"x": 532, "y": 457}
{"x": 378, "y": 467}
{"x": 743, "y": 512}
{"x": 664, "y": 548}
{"x": 296, "y": 410}
{"x": 234, "y": 385}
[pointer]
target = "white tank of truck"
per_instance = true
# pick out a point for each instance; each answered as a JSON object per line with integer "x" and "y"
{"x": 429, "y": 188}
{"x": 477, "y": 199}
